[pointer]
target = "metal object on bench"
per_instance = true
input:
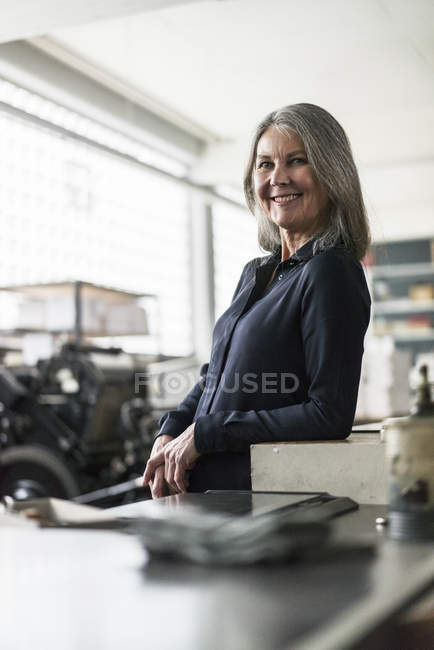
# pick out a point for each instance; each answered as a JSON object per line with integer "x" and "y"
{"x": 410, "y": 455}
{"x": 237, "y": 528}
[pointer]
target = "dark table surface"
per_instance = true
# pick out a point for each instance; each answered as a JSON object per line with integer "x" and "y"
{"x": 89, "y": 589}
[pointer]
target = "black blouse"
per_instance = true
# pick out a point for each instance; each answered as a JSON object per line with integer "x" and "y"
{"x": 285, "y": 363}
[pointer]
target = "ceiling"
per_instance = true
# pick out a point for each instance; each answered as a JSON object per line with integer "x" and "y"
{"x": 27, "y": 18}
{"x": 224, "y": 65}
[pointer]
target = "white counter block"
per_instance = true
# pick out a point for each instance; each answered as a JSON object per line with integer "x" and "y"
{"x": 354, "y": 468}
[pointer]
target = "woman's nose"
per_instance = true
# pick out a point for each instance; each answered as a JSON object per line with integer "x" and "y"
{"x": 280, "y": 176}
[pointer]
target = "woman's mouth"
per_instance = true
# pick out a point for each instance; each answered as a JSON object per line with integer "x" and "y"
{"x": 284, "y": 200}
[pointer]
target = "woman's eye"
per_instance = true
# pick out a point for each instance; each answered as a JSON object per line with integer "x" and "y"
{"x": 265, "y": 164}
{"x": 297, "y": 160}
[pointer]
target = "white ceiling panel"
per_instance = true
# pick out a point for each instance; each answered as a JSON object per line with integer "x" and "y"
{"x": 27, "y": 18}
{"x": 226, "y": 64}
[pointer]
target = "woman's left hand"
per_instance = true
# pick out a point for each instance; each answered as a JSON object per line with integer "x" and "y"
{"x": 177, "y": 456}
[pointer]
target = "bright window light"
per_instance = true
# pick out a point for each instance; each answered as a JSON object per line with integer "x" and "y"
{"x": 80, "y": 125}
{"x": 235, "y": 243}
{"x": 73, "y": 212}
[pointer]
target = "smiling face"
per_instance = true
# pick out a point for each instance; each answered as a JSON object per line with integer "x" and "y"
{"x": 286, "y": 187}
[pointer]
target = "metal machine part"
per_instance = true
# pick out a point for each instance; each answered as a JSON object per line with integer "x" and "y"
{"x": 73, "y": 424}
{"x": 29, "y": 472}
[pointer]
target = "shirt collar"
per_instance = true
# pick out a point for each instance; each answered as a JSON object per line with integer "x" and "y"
{"x": 303, "y": 254}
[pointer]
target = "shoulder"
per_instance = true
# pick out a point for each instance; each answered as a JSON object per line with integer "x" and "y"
{"x": 334, "y": 279}
{"x": 252, "y": 265}
{"x": 259, "y": 261}
{"x": 334, "y": 265}
{"x": 249, "y": 273}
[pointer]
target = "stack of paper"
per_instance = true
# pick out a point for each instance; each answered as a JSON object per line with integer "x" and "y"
{"x": 384, "y": 384}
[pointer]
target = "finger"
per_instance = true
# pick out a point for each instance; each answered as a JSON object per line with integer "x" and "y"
{"x": 168, "y": 474}
{"x": 157, "y": 494}
{"x": 179, "y": 478}
{"x": 148, "y": 475}
{"x": 152, "y": 465}
{"x": 179, "y": 474}
{"x": 169, "y": 471}
{"x": 157, "y": 489}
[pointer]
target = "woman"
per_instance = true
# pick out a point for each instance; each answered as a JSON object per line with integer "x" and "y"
{"x": 286, "y": 355}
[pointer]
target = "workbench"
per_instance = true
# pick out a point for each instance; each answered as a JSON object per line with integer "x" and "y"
{"x": 97, "y": 589}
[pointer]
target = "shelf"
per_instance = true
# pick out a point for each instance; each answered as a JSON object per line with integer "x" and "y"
{"x": 403, "y": 271}
{"x": 413, "y": 337}
{"x": 80, "y": 309}
{"x": 61, "y": 289}
{"x": 403, "y": 306}
{"x": 92, "y": 334}
{"x": 408, "y": 336}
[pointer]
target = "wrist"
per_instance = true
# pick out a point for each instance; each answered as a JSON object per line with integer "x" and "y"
{"x": 163, "y": 437}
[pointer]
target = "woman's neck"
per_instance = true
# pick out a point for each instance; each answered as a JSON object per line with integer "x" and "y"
{"x": 291, "y": 242}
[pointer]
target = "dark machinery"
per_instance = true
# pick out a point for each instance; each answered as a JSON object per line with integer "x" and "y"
{"x": 73, "y": 425}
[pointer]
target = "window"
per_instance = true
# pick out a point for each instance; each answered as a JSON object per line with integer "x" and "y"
{"x": 71, "y": 211}
{"x": 235, "y": 243}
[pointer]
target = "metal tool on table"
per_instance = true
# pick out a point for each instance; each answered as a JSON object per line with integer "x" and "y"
{"x": 410, "y": 458}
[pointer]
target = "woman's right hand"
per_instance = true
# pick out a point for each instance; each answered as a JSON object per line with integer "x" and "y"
{"x": 156, "y": 483}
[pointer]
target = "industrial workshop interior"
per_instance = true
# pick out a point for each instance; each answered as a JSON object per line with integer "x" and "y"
{"x": 217, "y": 325}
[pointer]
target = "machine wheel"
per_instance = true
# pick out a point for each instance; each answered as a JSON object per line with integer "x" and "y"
{"x": 31, "y": 472}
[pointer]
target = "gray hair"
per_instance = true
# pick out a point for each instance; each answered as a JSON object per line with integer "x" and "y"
{"x": 329, "y": 153}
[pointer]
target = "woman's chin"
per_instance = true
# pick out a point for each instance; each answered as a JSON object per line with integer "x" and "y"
{"x": 283, "y": 223}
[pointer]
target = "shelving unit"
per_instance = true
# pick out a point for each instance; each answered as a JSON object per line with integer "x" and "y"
{"x": 402, "y": 281}
{"x": 404, "y": 306}
{"x": 415, "y": 337}
{"x": 421, "y": 270}
{"x": 81, "y": 310}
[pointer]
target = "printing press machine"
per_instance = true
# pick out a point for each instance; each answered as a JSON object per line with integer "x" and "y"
{"x": 75, "y": 423}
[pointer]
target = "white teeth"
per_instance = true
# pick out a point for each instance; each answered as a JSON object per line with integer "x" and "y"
{"x": 286, "y": 199}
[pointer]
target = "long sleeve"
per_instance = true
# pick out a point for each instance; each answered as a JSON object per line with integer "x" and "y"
{"x": 173, "y": 423}
{"x": 333, "y": 317}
